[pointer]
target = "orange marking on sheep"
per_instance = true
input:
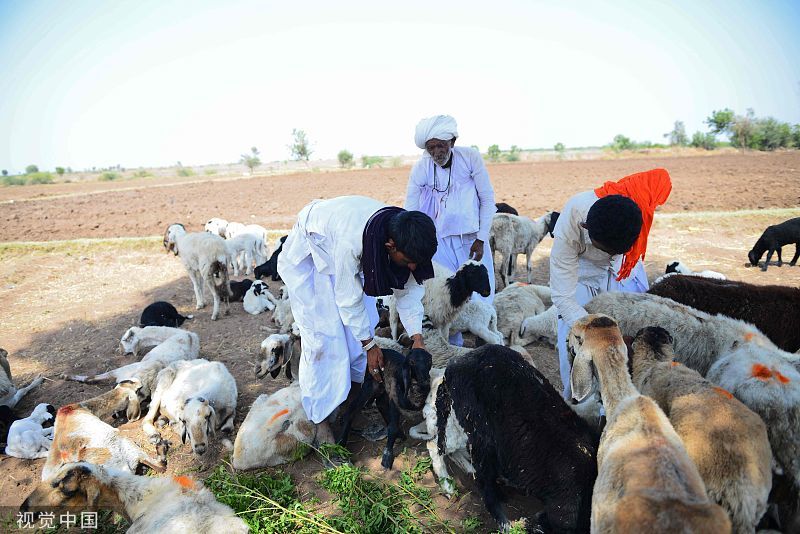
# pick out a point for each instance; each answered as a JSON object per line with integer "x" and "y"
{"x": 722, "y": 392}
{"x": 64, "y": 454}
{"x": 184, "y": 481}
{"x": 66, "y": 410}
{"x": 674, "y": 364}
{"x": 749, "y": 336}
{"x": 762, "y": 372}
{"x": 783, "y": 379}
{"x": 279, "y": 414}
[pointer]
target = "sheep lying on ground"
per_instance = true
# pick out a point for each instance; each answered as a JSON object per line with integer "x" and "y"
{"x": 676, "y": 267}
{"x": 480, "y": 318}
{"x": 513, "y": 305}
{"x": 274, "y": 428}
{"x": 162, "y": 313}
{"x": 270, "y": 267}
{"x": 406, "y": 384}
{"x": 124, "y": 400}
{"x": 239, "y": 289}
{"x": 499, "y": 418}
{"x": 9, "y": 394}
{"x": 726, "y": 441}
{"x": 773, "y": 239}
{"x": 646, "y": 481}
{"x": 774, "y": 310}
{"x": 205, "y": 257}
{"x": 446, "y": 294}
{"x": 28, "y": 438}
{"x": 198, "y": 396}
{"x": 511, "y": 235}
{"x": 277, "y": 351}
{"x": 258, "y": 299}
{"x": 543, "y": 326}
{"x": 79, "y": 435}
{"x": 136, "y": 340}
{"x": 152, "y": 504}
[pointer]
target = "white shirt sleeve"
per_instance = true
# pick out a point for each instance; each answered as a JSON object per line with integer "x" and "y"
{"x": 486, "y": 205}
{"x": 409, "y": 305}
{"x": 349, "y": 293}
{"x": 564, "y": 279}
{"x": 414, "y": 190}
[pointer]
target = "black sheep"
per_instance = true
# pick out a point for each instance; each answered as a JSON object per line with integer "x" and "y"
{"x": 270, "y": 267}
{"x": 238, "y": 290}
{"x": 773, "y": 238}
{"x": 521, "y": 432}
{"x": 162, "y": 313}
{"x": 502, "y": 207}
{"x": 775, "y": 310}
{"x": 406, "y": 383}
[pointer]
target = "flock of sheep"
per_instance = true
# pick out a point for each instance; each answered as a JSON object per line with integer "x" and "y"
{"x": 686, "y": 415}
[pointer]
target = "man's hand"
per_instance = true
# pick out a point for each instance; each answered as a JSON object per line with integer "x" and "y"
{"x": 476, "y": 250}
{"x": 417, "y": 342}
{"x": 375, "y": 363}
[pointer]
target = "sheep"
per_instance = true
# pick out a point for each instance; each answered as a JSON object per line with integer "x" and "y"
{"x": 511, "y": 235}
{"x": 199, "y": 396}
{"x": 277, "y": 350}
{"x": 216, "y": 226}
{"x": 677, "y": 267}
{"x": 406, "y": 383}
{"x": 499, "y": 418}
{"x": 243, "y": 251}
{"x": 136, "y": 340}
{"x": 513, "y": 305}
{"x": 282, "y": 314}
{"x": 726, "y": 441}
{"x": 27, "y": 438}
{"x": 79, "y": 435}
{"x": 646, "y": 481}
{"x": 774, "y": 310}
{"x": 206, "y": 260}
{"x": 502, "y": 207}
{"x": 274, "y": 428}
{"x": 480, "y": 318}
{"x": 125, "y": 399}
{"x": 152, "y": 504}
{"x": 773, "y": 239}
{"x": 258, "y": 299}
{"x": 270, "y": 267}
{"x": 234, "y": 230}
{"x": 9, "y": 394}
{"x": 542, "y": 326}
{"x": 446, "y": 294}
{"x": 162, "y": 313}
{"x": 239, "y": 289}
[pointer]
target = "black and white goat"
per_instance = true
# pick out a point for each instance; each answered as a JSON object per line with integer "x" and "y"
{"x": 162, "y": 313}
{"x": 773, "y": 239}
{"x": 239, "y": 289}
{"x": 270, "y": 267}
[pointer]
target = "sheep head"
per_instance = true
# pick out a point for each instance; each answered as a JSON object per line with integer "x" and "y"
{"x": 416, "y": 379}
{"x": 199, "y": 422}
{"x": 593, "y": 336}
{"x": 4, "y": 362}
{"x": 171, "y": 237}
{"x": 75, "y": 486}
{"x": 216, "y": 226}
{"x": 654, "y": 340}
{"x": 276, "y": 351}
{"x": 473, "y": 276}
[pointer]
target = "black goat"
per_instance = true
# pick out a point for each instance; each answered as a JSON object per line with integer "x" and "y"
{"x": 162, "y": 313}
{"x": 238, "y": 290}
{"x": 270, "y": 267}
{"x": 773, "y": 238}
{"x": 406, "y": 384}
{"x": 502, "y": 207}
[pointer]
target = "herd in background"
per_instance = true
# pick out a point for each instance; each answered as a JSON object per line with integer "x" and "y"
{"x": 698, "y": 380}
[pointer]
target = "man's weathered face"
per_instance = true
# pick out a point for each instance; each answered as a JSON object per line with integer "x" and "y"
{"x": 439, "y": 150}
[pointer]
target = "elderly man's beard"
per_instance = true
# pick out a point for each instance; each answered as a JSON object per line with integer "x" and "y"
{"x": 441, "y": 160}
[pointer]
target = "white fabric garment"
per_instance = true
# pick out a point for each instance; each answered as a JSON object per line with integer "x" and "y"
{"x": 441, "y": 127}
{"x": 321, "y": 267}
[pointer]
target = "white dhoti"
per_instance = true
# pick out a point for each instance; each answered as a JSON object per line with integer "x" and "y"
{"x": 331, "y": 357}
{"x": 635, "y": 283}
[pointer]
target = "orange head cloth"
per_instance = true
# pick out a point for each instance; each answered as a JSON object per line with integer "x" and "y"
{"x": 648, "y": 189}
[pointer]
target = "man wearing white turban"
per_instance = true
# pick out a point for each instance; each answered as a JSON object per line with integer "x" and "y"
{"x": 451, "y": 185}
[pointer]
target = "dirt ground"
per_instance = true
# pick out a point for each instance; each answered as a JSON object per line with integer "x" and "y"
{"x": 65, "y": 305}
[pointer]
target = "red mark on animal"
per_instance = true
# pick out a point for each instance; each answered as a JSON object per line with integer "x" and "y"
{"x": 762, "y": 372}
{"x": 279, "y": 414}
{"x": 722, "y": 392}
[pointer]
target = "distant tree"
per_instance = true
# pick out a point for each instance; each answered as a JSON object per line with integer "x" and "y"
{"x": 30, "y": 169}
{"x": 796, "y": 136}
{"x": 251, "y": 160}
{"x": 5, "y": 172}
{"x": 345, "y": 158}
{"x": 301, "y": 147}
{"x": 60, "y": 171}
{"x": 678, "y": 137}
{"x": 493, "y": 152}
{"x": 621, "y": 143}
{"x": 513, "y": 154}
{"x": 770, "y": 134}
{"x": 371, "y": 161}
{"x": 69, "y": 170}
{"x": 704, "y": 140}
{"x": 742, "y": 130}
{"x": 721, "y": 121}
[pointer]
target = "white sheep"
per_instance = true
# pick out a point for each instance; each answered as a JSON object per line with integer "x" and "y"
{"x": 282, "y": 314}
{"x": 514, "y": 234}
{"x": 274, "y": 428}
{"x": 677, "y": 267}
{"x": 205, "y": 257}
{"x": 234, "y": 229}
{"x": 216, "y": 226}
{"x": 27, "y": 438}
{"x": 152, "y": 504}
{"x": 243, "y": 251}
{"x": 480, "y": 318}
{"x": 137, "y": 339}
{"x": 198, "y": 396}
{"x": 513, "y": 305}
{"x": 9, "y": 394}
{"x": 277, "y": 350}
{"x": 543, "y": 326}
{"x": 646, "y": 481}
{"x": 258, "y": 299}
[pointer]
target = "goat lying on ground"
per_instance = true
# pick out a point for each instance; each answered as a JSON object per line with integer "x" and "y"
{"x": 270, "y": 267}
{"x": 773, "y": 239}
{"x": 239, "y": 289}
{"x": 137, "y": 340}
{"x": 480, "y": 318}
{"x": 274, "y": 428}
{"x": 774, "y": 310}
{"x": 9, "y": 394}
{"x": 125, "y": 400}
{"x": 646, "y": 481}
{"x": 277, "y": 351}
{"x": 406, "y": 383}
{"x": 258, "y": 299}
{"x": 162, "y": 313}
{"x": 499, "y": 418}
{"x": 152, "y": 504}
{"x": 28, "y": 438}
{"x": 676, "y": 267}
{"x": 726, "y": 441}
{"x": 513, "y": 305}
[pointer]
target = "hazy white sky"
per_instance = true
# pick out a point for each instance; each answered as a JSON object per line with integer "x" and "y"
{"x": 142, "y": 83}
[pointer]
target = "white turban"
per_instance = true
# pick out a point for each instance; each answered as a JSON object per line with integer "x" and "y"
{"x": 437, "y": 127}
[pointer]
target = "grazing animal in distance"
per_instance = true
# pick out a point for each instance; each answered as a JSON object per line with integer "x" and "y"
{"x": 773, "y": 239}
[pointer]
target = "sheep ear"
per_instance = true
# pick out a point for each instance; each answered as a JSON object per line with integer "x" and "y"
{"x": 133, "y": 411}
{"x": 183, "y": 432}
{"x": 581, "y": 378}
{"x": 275, "y": 372}
{"x": 212, "y": 423}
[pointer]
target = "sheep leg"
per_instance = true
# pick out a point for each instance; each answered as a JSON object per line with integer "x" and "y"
{"x": 780, "y": 260}
{"x": 165, "y": 378}
{"x": 91, "y": 379}
{"x": 796, "y": 254}
{"x": 209, "y": 283}
{"x": 486, "y": 334}
{"x": 364, "y": 396}
{"x": 505, "y": 269}
{"x": 391, "y": 414}
{"x": 486, "y": 478}
{"x": 198, "y": 289}
{"x": 529, "y": 265}
{"x": 769, "y": 257}
{"x": 24, "y": 391}
{"x": 440, "y": 469}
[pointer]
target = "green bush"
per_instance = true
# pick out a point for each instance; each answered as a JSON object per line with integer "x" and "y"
{"x": 493, "y": 153}
{"x": 109, "y": 176}
{"x": 60, "y": 171}
{"x": 142, "y": 174}
{"x": 14, "y": 180}
{"x": 185, "y": 171}
{"x": 621, "y": 143}
{"x": 769, "y": 134}
{"x": 513, "y": 154}
{"x": 704, "y": 140}
{"x": 371, "y": 161}
{"x": 345, "y": 158}
{"x": 28, "y": 179}
{"x": 560, "y": 148}
{"x": 209, "y": 172}
{"x": 30, "y": 169}
{"x": 796, "y": 136}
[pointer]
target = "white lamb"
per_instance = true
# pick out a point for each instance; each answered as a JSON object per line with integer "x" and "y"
{"x": 216, "y": 226}
{"x": 205, "y": 257}
{"x": 258, "y": 299}
{"x": 480, "y": 318}
{"x": 27, "y": 438}
{"x": 243, "y": 251}
{"x": 9, "y": 394}
{"x": 543, "y": 326}
{"x": 282, "y": 314}
{"x": 198, "y": 396}
{"x": 676, "y": 267}
{"x": 136, "y": 338}
{"x": 234, "y": 229}
{"x": 514, "y": 234}
{"x": 513, "y": 305}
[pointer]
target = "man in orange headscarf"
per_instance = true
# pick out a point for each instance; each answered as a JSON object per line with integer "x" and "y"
{"x": 600, "y": 242}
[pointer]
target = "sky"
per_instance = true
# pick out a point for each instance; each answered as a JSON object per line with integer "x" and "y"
{"x": 150, "y": 83}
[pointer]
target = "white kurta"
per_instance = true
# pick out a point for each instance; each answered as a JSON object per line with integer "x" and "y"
{"x": 579, "y": 271}
{"x": 321, "y": 267}
{"x": 460, "y": 200}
